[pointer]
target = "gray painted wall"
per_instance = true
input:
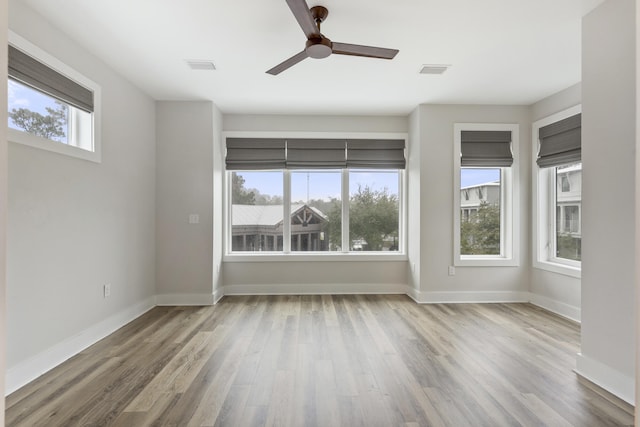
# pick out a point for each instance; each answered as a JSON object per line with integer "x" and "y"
{"x": 76, "y": 225}
{"x": 436, "y": 210}
{"x": 184, "y": 186}
{"x": 301, "y": 277}
{"x": 414, "y": 202}
{"x": 608, "y": 158}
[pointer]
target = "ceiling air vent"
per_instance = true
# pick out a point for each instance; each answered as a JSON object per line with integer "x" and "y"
{"x": 434, "y": 69}
{"x": 200, "y": 65}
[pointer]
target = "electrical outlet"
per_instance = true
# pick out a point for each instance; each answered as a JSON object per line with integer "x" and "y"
{"x": 452, "y": 270}
{"x": 194, "y": 219}
{"x": 106, "y": 290}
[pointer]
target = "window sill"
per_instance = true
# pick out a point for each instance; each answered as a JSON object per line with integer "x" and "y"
{"x": 485, "y": 261}
{"x": 306, "y": 257}
{"x": 558, "y": 268}
{"x": 34, "y": 141}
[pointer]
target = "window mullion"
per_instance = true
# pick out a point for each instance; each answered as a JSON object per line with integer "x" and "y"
{"x": 286, "y": 206}
{"x": 345, "y": 210}
{"x": 553, "y": 213}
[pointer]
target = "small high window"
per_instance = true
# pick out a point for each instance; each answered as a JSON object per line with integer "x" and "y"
{"x": 50, "y": 106}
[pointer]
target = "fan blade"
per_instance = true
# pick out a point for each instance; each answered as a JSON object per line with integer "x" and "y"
{"x": 303, "y": 16}
{"x": 288, "y": 63}
{"x": 359, "y": 50}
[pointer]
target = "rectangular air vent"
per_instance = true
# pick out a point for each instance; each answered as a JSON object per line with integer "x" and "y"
{"x": 200, "y": 65}
{"x": 434, "y": 69}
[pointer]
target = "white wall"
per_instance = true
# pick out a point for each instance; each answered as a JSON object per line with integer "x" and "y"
{"x": 75, "y": 225}
{"x": 436, "y": 210}
{"x": 556, "y": 292}
{"x": 184, "y": 186}
{"x": 315, "y": 277}
{"x": 414, "y": 203}
{"x": 218, "y": 207}
{"x": 3, "y": 201}
{"x": 608, "y": 144}
{"x": 637, "y": 223}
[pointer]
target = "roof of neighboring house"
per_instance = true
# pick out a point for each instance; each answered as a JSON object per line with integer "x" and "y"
{"x": 486, "y": 184}
{"x": 265, "y": 214}
{"x": 570, "y": 168}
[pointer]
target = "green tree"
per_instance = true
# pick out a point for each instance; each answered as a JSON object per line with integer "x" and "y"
{"x": 373, "y": 217}
{"x": 480, "y": 235}
{"x": 239, "y": 194}
{"x": 52, "y": 126}
{"x": 568, "y": 246}
{"x": 334, "y": 223}
{"x": 266, "y": 199}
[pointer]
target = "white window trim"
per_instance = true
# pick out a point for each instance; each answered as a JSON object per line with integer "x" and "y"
{"x": 510, "y": 202}
{"x": 543, "y": 209}
{"x": 287, "y": 255}
{"x": 35, "y": 141}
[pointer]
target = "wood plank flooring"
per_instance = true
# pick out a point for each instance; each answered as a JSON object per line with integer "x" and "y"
{"x": 348, "y": 360}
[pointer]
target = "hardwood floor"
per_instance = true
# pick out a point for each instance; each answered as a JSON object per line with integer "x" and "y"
{"x": 324, "y": 361}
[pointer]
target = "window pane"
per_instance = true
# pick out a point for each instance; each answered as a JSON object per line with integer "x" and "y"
{"x": 374, "y": 210}
{"x": 568, "y": 235}
{"x": 316, "y": 211}
{"x": 480, "y": 216}
{"x": 33, "y": 112}
{"x": 256, "y": 211}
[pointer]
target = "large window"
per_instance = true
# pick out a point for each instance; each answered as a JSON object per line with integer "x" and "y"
{"x": 50, "y": 106}
{"x": 558, "y": 192}
{"x": 484, "y": 221}
{"x": 308, "y": 205}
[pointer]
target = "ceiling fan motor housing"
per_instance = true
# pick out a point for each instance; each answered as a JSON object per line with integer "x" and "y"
{"x": 318, "y": 47}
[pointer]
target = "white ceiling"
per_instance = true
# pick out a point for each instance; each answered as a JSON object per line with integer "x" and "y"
{"x": 500, "y": 51}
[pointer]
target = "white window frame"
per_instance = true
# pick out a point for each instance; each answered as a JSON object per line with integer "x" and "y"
{"x": 544, "y": 206}
{"x": 509, "y": 202}
{"x": 287, "y": 255}
{"x": 84, "y": 137}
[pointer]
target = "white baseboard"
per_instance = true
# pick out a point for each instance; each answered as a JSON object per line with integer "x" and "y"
{"x": 186, "y": 299}
{"x": 413, "y": 293}
{"x": 606, "y": 377}
{"x": 27, "y": 371}
{"x": 217, "y": 295}
{"x": 468, "y": 297}
{"x": 565, "y": 310}
{"x": 315, "y": 289}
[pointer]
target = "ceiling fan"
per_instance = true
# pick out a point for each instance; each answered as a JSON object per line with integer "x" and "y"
{"x": 319, "y": 46}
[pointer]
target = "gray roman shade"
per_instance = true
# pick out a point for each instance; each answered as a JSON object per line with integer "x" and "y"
{"x": 33, "y": 73}
{"x": 316, "y": 154}
{"x": 375, "y": 153}
{"x": 486, "y": 149}
{"x": 560, "y": 142}
{"x": 255, "y": 153}
{"x": 277, "y": 153}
